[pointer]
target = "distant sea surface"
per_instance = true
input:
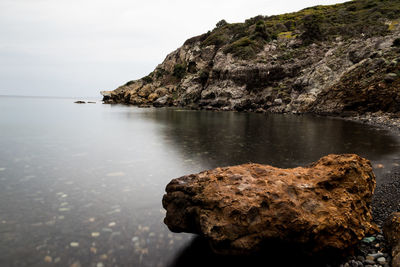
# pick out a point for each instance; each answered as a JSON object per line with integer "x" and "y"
{"x": 81, "y": 184}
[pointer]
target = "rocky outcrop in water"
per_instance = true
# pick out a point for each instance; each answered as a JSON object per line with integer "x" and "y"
{"x": 241, "y": 209}
{"x": 325, "y": 59}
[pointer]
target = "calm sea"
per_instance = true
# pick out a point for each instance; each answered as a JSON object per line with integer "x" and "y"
{"x": 81, "y": 185}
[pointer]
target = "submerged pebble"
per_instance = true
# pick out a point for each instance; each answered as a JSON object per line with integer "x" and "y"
{"x": 368, "y": 239}
{"x": 74, "y": 244}
{"x": 95, "y": 234}
{"x": 64, "y": 209}
{"x": 381, "y": 260}
{"x": 76, "y": 264}
{"x": 114, "y": 234}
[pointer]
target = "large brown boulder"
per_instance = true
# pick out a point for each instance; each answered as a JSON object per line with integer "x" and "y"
{"x": 240, "y": 209}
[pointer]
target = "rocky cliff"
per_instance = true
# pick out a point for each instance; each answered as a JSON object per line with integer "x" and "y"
{"x": 325, "y": 59}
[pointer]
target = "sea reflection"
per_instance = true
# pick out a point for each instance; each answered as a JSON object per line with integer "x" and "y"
{"x": 81, "y": 185}
{"x": 227, "y": 138}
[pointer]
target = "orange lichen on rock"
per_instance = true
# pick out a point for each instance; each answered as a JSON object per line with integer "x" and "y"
{"x": 241, "y": 208}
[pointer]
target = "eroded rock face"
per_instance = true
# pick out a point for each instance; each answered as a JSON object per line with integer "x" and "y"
{"x": 240, "y": 209}
{"x": 328, "y": 77}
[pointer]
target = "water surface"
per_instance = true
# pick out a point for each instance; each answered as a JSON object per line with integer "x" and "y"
{"x": 82, "y": 185}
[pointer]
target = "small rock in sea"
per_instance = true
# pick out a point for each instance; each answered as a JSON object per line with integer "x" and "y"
{"x": 370, "y": 258}
{"x": 75, "y": 264}
{"x": 50, "y": 223}
{"x": 93, "y": 250}
{"x": 135, "y": 239}
{"x": 74, "y": 244}
{"x": 381, "y": 260}
{"x": 368, "y": 239}
{"x": 379, "y": 166}
{"x": 99, "y": 264}
{"x": 57, "y": 260}
{"x": 369, "y": 262}
{"x": 80, "y": 102}
{"x": 114, "y": 234}
{"x": 92, "y": 219}
{"x": 2, "y": 169}
{"x": 103, "y": 256}
{"x": 48, "y": 259}
{"x": 95, "y": 234}
{"x": 380, "y": 237}
{"x": 91, "y": 102}
{"x": 64, "y": 209}
{"x": 376, "y": 255}
{"x": 111, "y": 224}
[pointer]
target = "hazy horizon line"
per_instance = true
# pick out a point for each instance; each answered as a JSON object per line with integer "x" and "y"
{"x": 49, "y": 96}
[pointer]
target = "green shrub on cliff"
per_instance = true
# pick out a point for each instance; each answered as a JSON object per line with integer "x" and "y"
{"x": 243, "y": 48}
{"x": 160, "y": 73}
{"x": 312, "y": 29}
{"x": 129, "y": 83}
{"x": 363, "y": 18}
{"x": 179, "y": 71}
{"x": 261, "y": 32}
{"x": 221, "y": 23}
{"x": 147, "y": 79}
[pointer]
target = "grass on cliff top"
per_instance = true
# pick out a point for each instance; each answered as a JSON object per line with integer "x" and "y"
{"x": 351, "y": 19}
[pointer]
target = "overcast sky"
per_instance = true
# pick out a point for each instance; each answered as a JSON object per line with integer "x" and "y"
{"x": 79, "y": 47}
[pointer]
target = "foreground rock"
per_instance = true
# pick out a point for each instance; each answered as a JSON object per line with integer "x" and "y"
{"x": 391, "y": 230}
{"x": 240, "y": 209}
